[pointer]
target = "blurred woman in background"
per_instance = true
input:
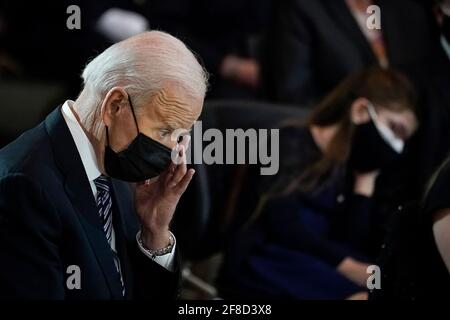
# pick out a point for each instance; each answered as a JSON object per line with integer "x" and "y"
{"x": 431, "y": 237}
{"x": 308, "y": 235}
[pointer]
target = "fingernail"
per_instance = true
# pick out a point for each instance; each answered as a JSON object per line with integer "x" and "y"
{"x": 188, "y": 139}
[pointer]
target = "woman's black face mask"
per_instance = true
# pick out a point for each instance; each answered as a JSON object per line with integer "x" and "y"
{"x": 374, "y": 146}
{"x": 143, "y": 159}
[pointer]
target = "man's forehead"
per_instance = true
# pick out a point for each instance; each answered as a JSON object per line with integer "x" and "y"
{"x": 175, "y": 109}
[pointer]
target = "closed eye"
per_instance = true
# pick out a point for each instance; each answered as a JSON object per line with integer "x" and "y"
{"x": 165, "y": 132}
{"x": 399, "y": 130}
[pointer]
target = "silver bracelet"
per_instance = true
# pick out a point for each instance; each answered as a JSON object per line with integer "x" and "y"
{"x": 159, "y": 252}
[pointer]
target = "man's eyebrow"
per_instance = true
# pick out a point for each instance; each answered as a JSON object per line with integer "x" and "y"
{"x": 174, "y": 125}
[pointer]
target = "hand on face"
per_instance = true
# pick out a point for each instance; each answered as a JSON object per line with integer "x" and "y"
{"x": 156, "y": 199}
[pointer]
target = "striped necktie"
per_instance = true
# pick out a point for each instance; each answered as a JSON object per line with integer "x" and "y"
{"x": 104, "y": 205}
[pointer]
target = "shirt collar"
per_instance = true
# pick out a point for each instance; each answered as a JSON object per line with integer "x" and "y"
{"x": 84, "y": 146}
{"x": 446, "y": 46}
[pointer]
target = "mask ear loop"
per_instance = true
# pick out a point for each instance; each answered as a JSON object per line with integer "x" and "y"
{"x": 107, "y": 136}
{"x": 372, "y": 112}
{"x": 134, "y": 115}
{"x": 388, "y": 135}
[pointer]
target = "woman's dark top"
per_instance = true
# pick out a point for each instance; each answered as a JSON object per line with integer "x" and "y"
{"x": 310, "y": 231}
{"x": 433, "y": 278}
{"x": 410, "y": 262}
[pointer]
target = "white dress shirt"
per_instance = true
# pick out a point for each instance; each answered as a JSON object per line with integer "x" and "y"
{"x": 446, "y": 46}
{"x": 89, "y": 160}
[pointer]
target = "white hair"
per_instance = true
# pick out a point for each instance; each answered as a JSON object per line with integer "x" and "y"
{"x": 143, "y": 65}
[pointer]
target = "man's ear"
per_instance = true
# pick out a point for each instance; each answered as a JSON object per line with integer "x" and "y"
{"x": 359, "y": 111}
{"x": 112, "y": 106}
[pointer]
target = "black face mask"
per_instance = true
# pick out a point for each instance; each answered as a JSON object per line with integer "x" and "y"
{"x": 369, "y": 151}
{"x": 143, "y": 159}
{"x": 445, "y": 28}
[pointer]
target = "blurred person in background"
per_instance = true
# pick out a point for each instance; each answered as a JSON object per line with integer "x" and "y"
{"x": 313, "y": 45}
{"x": 432, "y": 259}
{"x": 228, "y": 36}
{"x": 43, "y": 46}
{"x": 414, "y": 260}
{"x": 308, "y": 235}
{"x": 7, "y": 64}
{"x": 225, "y": 34}
{"x": 433, "y": 82}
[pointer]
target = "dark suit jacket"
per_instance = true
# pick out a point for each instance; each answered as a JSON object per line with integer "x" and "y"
{"x": 49, "y": 221}
{"x": 433, "y": 143}
{"x": 313, "y": 45}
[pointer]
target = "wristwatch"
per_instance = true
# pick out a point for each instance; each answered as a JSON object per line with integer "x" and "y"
{"x": 159, "y": 252}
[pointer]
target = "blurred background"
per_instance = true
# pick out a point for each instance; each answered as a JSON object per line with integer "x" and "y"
{"x": 269, "y": 62}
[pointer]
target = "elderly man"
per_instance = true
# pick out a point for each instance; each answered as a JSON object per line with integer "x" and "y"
{"x": 69, "y": 225}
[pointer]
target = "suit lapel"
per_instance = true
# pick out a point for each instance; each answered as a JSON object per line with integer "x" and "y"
{"x": 79, "y": 192}
{"x": 119, "y": 217}
{"x": 339, "y": 10}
